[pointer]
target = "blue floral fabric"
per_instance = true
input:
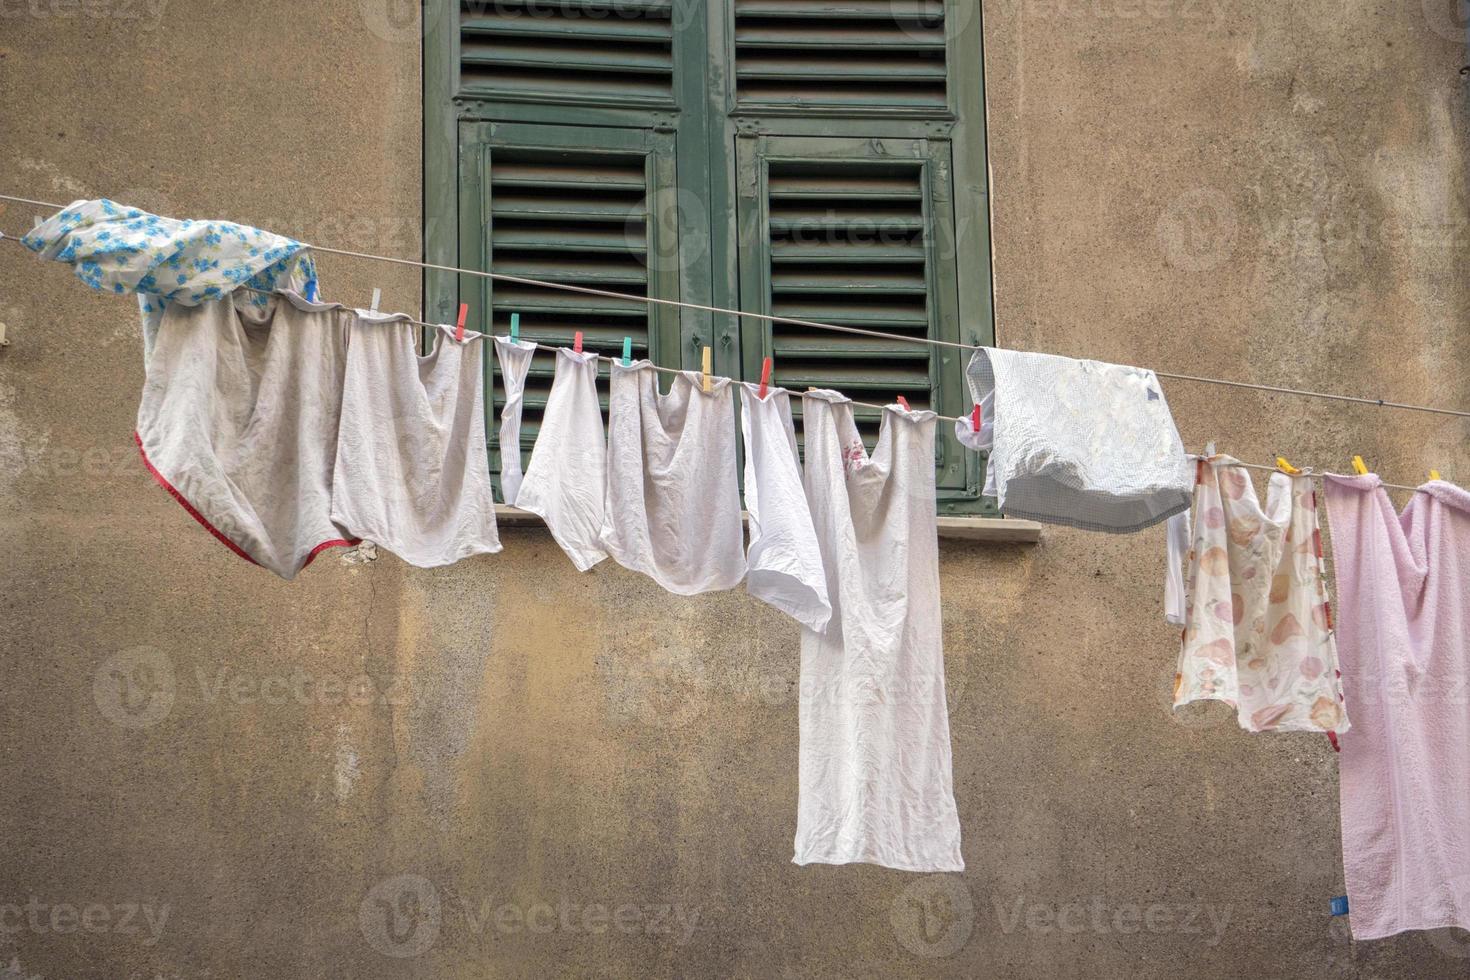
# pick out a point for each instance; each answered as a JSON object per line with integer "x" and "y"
{"x": 118, "y": 249}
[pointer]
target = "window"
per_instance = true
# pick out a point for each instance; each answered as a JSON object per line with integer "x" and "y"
{"x": 817, "y": 159}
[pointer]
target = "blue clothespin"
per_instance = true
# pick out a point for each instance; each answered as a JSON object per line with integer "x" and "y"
{"x": 627, "y": 351}
{"x": 515, "y": 328}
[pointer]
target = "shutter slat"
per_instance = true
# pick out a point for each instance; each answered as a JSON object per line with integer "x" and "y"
{"x": 571, "y": 51}
{"x": 888, "y": 54}
{"x": 847, "y": 247}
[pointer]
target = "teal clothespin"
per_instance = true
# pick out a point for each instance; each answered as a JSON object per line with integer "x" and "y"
{"x": 515, "y": 328}
{"x": 627, "y": 351}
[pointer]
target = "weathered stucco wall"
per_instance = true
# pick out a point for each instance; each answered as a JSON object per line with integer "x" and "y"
{"x": 508, "y": 769}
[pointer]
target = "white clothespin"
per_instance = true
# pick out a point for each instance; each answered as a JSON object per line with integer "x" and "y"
{"x": 4, "y": 340}
{"x": 377, "y": 298}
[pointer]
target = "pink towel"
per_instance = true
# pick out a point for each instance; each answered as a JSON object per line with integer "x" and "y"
{"x": 1403, "y": 605}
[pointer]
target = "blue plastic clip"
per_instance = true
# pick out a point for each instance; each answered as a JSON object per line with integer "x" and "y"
{"x": 627, "y": 351}
{"x": 1340, "y": 905}
{"x": 515, "y": 328}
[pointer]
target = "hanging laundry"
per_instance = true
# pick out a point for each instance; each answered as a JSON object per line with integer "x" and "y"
{"x": 412, "y": 472}
{"x": 783, "y": 561}
{"x": 239, "y": 420}
{"x": 515, "y": 363}
{"x": 166, "y": 261}
{"x": 1176, "y": 547}
{"x": 1258, "y": 629}
{"x": 673, "y": 493}
{"x": 876, "y": 782}
{"x": 1403, "y": 604}
{"x": 1081, "y": 443}
{"x": 566, "y": 479}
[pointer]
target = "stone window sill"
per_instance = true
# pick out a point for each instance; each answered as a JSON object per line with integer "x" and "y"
{"x": 993, "y": 530}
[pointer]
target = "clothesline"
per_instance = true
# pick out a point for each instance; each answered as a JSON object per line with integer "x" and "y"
{"x": 675, "y": 371}
{"x": 772, "y": 318}
{"x": 400, "y": 318}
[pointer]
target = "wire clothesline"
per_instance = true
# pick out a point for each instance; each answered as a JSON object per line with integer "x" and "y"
{"x": 773, "y": 318}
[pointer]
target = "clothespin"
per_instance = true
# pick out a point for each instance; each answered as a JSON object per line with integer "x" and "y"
{"x": 5, "y": 341}
{"x": 765, "y": 377}
{"x": 464, "y": 311}
{"x": 1359, "y": 467}
{"x": 1434, "y": 474}
{"x": 377, "y": 298}
{"x": 515, "y": 328}
{"x": 627, "y": 351}
{"x": 1286, "y": 467}
{"x": 708, "y": 387}
{"x": 577, "y": 342}
{"x": 905, "y": 403}
{"x": 975, "y": 419}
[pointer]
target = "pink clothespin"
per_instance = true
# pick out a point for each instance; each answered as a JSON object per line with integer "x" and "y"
{"x": 765, "y": 377}
{"x": 975, "y": 419}
{"x": 464, "y": 311}
{"x": 577, "y": 342}
{"x": 905, "y": 403}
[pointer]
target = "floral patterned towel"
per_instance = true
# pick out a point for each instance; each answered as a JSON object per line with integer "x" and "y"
{"x": 1258, "y": 628}
{"x": 119, "y": 249}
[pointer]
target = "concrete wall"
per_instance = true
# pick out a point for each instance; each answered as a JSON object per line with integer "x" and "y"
{"x": 205, "y": 772}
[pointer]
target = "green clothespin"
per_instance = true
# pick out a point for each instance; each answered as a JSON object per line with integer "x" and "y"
{"x": 515, "y": 328}
{"x": 627, "y": 351}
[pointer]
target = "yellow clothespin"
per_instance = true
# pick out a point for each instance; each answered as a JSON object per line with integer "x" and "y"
{"x": 1359, "y": 467}
{"x": 1434, "y": 475}
{"x": 708, "y": 386}
{"x": 1286, "y": 467}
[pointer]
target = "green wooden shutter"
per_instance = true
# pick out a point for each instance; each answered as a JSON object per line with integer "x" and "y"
{"x": 574, "y": 205}
{"x": 859, "y": 233}
{"x": 613, "y": 52}
{"x": 830, "y": 159}
{"x": 794, "y": 54}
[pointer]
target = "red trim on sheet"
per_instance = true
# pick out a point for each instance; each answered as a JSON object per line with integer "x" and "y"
{"x": 334, "y": 543}
{"x": 163, "y": 482}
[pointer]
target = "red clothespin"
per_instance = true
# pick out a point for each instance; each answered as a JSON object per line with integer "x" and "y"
{"x": 1332, "y": 737}
{"x": 464, "y": 311}
{"x": 577, "y": 342}
{"x": 905, "y": 403}
{"x": 765, "y": 377}
{"x": 975, "y": 419}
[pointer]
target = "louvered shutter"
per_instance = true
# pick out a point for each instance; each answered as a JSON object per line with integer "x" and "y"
{"x": 883, "y": 54}
{"x": 568, "y": 51}
{"x": 855, "y": 232}
{"x": 574, "y": 205}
